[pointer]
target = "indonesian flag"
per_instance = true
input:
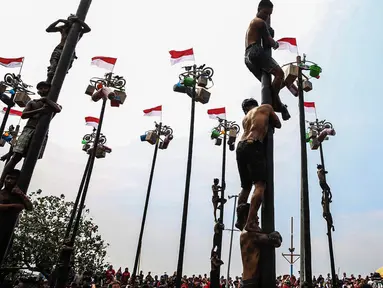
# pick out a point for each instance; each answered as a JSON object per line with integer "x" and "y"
{"x": 11, "y": 62}
{"x": 217, "y": 113}
{"x": 181, "y": 56}
{"x": 288, "y": 44}
{"x": 104, "y": 62}
{"x": 13, "y": 112}
{"x": 92, "y": 121}
{"x": 309, "y": 107}
{"x": 156, "y": 111}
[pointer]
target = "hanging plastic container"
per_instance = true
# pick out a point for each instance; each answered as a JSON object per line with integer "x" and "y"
{"x": 143, "y": 137}
{"x": 215, "y": 134}
{"x": 189, "y": 82}
{"x": 308, "y": 137}
{"x": 315, "y": 70}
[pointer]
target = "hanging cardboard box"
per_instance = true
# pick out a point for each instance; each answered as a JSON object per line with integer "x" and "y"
{"x": 100, "y": 152}
{"x": 152, "y": 137}
{"x": 293, "y": 89}
{"x": 85, "y": 147}
{"x": 202, "y": 81}
{"x": 90, "y": 90}
{"x": 313, "y": 134}
{"x": 218, "y": 141}
{"x": 120, "y": 96}
{"x": 2, "y": 88}
{"x": 291, "y": 74}
{"x": 21, "y": 99}
{"x": 314, "y": 144}
{"x": 203, "y": 96}
{"x": 307, "y": 86}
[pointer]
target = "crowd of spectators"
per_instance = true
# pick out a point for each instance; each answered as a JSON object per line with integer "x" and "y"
{"x": 121, "y": 278}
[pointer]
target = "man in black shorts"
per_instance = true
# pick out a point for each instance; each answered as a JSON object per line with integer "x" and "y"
{"x": 258, "y": 61}
{"x": 251, "y": 159}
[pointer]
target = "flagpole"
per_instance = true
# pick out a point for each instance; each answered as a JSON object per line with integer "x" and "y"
{"x": 316, "y": 116}
{"x": 21, "y": 67}
{"x": 66, "y": 251}
{"x": 139, "y": 245}
{"x": 187, "y": 185}
{"x": 305, "y": 249}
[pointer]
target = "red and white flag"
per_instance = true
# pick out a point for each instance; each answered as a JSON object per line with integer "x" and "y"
{"x": 288, "y": 44}
{"x": 11, "y": 62}
{"x": 92, "y": 121}
{"x": 156, "y": 111}
{"x": 181, "y": 56}
{"x": 13, "y": 112}
{"x": 217, "y": 113}
{"x": 309, "y": 107}
{"x": 104, "y": 62}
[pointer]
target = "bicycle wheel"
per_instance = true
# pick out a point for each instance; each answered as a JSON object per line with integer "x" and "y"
{"x": 87, "y": 138}
{"x": 168, "y": 131}
{"x": 102, "y": 140}
{"x": 120, "y": 83}
{"x": 9, "y": 78}
{"x": 209, "y": 72}
{"x": 327, "y": 125}
{"x": 236, "y": 127}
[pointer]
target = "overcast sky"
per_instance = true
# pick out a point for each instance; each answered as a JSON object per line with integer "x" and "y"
{"x": 338, "y": 35}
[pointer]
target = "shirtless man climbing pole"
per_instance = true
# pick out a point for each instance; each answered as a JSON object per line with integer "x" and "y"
{"x": 34, "y": 109}
{"x": 64, "y": 31}
{"x": 251, "y": 159}
{"x": 251, "y": 245}
{"x": 258, "y": 61}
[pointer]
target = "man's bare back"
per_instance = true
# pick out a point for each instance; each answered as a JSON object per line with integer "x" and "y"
{"x": 254, "y": 32}
{"x": 256, "y": 122}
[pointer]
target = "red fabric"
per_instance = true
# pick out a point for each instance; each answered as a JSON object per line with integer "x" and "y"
{"x": 13, "y": 112}
{"x": 216, "y": 111}
{"x": 157, "y": 108}
{"x": 7, "y": 61}
{"x": 292, "y": 41}
{"x": 309, "y": 104}
{"x": 110, "y": 274}
{"x": 109, "y": 60}
{"x": 178, "y": 54}
{"x": 92, "y": 119}
{"x": 125, "y": 277}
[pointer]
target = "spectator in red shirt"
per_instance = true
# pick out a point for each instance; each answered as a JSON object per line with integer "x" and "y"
{"x": 110, "y": 273}
{"x": 125, "y": 276}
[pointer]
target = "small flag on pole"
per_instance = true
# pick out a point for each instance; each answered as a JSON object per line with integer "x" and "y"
{"x": 156, "y": 111}
{"x": 217, "y": 113}
{"x": 13, "y": 112}
{"x": 11, "y": 62}
{"x": 104, "y": 62}
{"x": 309, "y": 107}
{"x": 92, "y": 121}
{"x": 181, "y": 56}
{"x": 288, "y": 44}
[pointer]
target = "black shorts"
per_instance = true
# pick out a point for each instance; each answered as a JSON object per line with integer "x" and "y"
{"x": 257, "y": 60}
{"x": 251, "y": 162}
